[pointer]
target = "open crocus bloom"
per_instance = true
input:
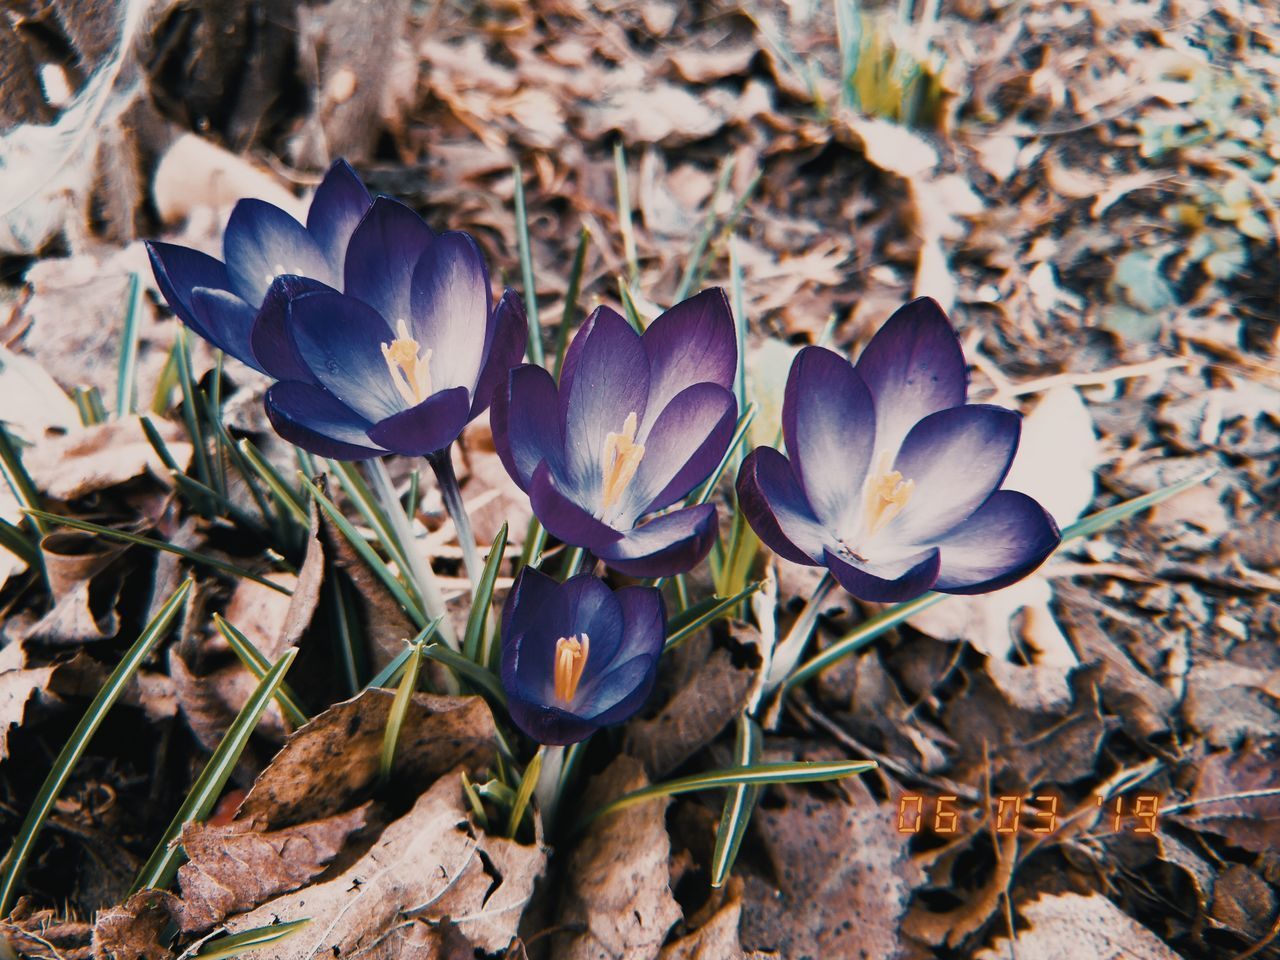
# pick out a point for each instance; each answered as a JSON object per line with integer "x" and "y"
{"x": 892, "y": 481}
{"x": 636, "y": 423}
{"x": 401, "y": 362}
{"x": 220, "y": 300}
{"x": 577, "y": 656}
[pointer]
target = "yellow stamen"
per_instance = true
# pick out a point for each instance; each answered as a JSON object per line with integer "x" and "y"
{"x": 571, "y": 660}
{"x": 621, "y": 460}
{"x": 410, "y": 371}
{"x": 887, "y": 493}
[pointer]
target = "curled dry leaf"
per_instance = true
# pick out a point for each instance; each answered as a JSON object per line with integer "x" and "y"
{"x": 618, "y": 898}
{"x": 235, "y": 867}
{"x": 332, "y": 762}
{"x": 717, "y": 938}
{"x": 19, "y": 685}
{"x": 84, "y": 581}
{"x": 1070, "y": 925}
{"x": 430, "y": 864}
{"x": 134, "y": 929}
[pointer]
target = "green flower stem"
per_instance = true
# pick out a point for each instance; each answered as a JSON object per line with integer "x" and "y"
{"x": 419, "y": 569}
{"x": 442, "y": 464}
{"x": 547, "y": 790}
{"x": 787, "y": 653}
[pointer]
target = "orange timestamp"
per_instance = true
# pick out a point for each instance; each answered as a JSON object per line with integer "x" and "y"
{"x": 1036, "y": 813}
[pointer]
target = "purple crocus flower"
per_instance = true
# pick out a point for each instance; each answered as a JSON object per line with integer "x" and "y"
{"x": 577, "y": 656}
{"x": 220, "y": 300}
{"x": 893, "y": 481}
{"x": 636, "y": 423}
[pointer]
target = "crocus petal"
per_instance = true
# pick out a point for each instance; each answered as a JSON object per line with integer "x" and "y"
{"x": 619, "y": 693}
{"x": 340, "y": 201}
{"x": 886, "y": 583}
{"x": 595, "y": 611}
{"x": 262, "y": 242}
{"x": 611, "y": 381}
{"x": 570, "y": 365}
{"x": 430, "y": 426}
{"x": 547, "y": 724}
{"x": 684, "y": 446}
{"x": 563, "y": 518}
{"x": 225, "y": 321}
{"x": 179, "y": 270}
{"x": 532, "y": 589}
{"x": 504, "y": 349}
{"x": 914, "y": 366}
{"x": 449, "y": 307}
{"x": 693, "y": 342}
{"x": 956, "y": 458}
{"x": 775, "y": 506}
{"x": 828, "y": 421}
{"x": 644, "y": 617}
{"x": 381, "y": 257}
{"x": 525, "y": 428}
{"x": 664, "y": 546}
{"x": 270, "y": 339}
{"x": 312, "y": 418}
{"x": 1008, "y": 537}
{"x": 340, "y": 340}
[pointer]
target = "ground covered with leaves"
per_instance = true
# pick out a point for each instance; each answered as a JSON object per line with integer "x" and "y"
{"x": 1086, "y": 764}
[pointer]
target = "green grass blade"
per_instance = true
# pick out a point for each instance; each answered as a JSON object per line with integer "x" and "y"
{"x": 234, "y": 944}
{"x": 368, "y": 555}
{"x": 571, "y": 300}
{"x": 534, "y": 540}
{"x": 125, "y": 537}
{"x": 89, "y": 403}
{"x": 693, "y": 265}
{"x": 475, "y": 642}
{"x": 260, "y": 666}
{"x": 349, "y": 652}
{"x": 160, "y": 868}
{"x": 399, "y": 706}
{"x": 738, "y": 299}
{"x": 288, "y": 498}
{"x": 19, "y": 544}
{"x": 525, "y": 792}
{"x": 358, "y": 492}
{"x": 730, "y": 454}
{"x": 20, "y": 482}
{"x": 1091, "y": 524}
{"x": 15, "y": 860}
{"x": 158, "y": 445}
{"x": 708, "y": 611}
{"x": 190, "y": 406}
{"x": 526, "y": 269}
{"x": 739, "y": 803}
{"x": 629, "y": 307}
{"x": 477, "y": 676}
{"x": 391, "y": 672}
{"x": 127, "y": 368}
{"x": 760, "y": 775}
{"x": 625, "y": 224}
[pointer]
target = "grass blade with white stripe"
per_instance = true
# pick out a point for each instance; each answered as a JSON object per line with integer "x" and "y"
{"x": 477, "y": 639}
{"x": 260, "y": 666}
{"x": 235, "y": 944}
{"x": 739, "y": 803}
{"x": 526, "y": 269}
{"x": 127, "y": 367}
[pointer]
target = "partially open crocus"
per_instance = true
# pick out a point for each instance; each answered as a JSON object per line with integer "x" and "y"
{"x": 220, "y": 299}
{"x": 891, "y": 481}
{"x": 577, "y": 656}
{"x": 635, "y": 424}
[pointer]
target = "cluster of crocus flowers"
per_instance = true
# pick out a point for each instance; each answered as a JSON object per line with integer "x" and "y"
{"x": 891, "y": 480}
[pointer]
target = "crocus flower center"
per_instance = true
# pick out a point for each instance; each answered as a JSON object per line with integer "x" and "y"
{"x": 571, "y": 660}
{"x": 410, "y": 370}
{"x": 620, "y": 461}
{"x": 887, "y": 492}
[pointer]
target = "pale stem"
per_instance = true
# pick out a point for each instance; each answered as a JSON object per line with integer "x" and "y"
{"x": 419, "y": 571}
{"x": 787, "y": 654}
{"x": 547, "y": 789}
{"x": 442, "y": 463}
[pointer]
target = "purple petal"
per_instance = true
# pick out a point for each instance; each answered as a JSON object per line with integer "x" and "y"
{"x": 571, "y": 355}
{"x": 179, "y": 270}
{"x": 340, "y": 201}
{"x": 532, "y": 589}
{"x": 956, "y": 458}
{"x": 914, "y": 366}
{"x": 270, "y": 338}
{"x": 526, "y": 430}
{"x": 312, "y": 418}
{"x": 226, "y": 321}
{"x": 595, "y": 611}
{"x": 262, "y": 242}
{"x": 828, "y": 421}
{"x": 430, "y": 426}
{"x": 693, "y": 342}
{"x": 565, "y": 519}
{"x": 611, "y": 380}
{"x": 684, "y": 446}
{"x": 507, "y": 335}
{"x": 666, "y": 545}
{"x": 1008, "y": 537}
{"x": 340, "y": 339}
{"x": 619, "y": 693}
{"x": 777, "y": 509}
{"x": 644, "y": 616}
{"x": 381, "y": 257}
{"x": 547, "y": 724}
{"x": 449, "y": 309}
{"x": 886, "y": 582}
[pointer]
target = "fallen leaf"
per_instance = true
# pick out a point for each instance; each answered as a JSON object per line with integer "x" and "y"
{"x": 1243, "y": 902}
{"x": 1229, "y": 702}
{"x": 195, "y": 172}
{"x": 84, "y": 580}
{"x": 18, "y": 687}
{"x": 1227, "y": 801}
{"x": 135, "y": 929}
{"x": 717, "y": 938}
{"x": 33, "y": 403}
{"x": 101, "y": 456}
{"x": 617, "y": 898}
{"x": 1068, "y": 926}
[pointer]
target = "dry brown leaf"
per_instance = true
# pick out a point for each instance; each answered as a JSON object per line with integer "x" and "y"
{"x": 261, "y": 613}
{"x": 844, "y": 879}
{"x": 134, "y": 929}
{"x": 235, "y": 867}
{"x": 650, "y": 113}
{"x": 1069, "y": 926}
{"x": 717, "y": 938}
{"x": 18, "y": 687}
{"x": 1225, "y": 804}
{"x": 102, "y": 456}
{"x": 430, "y": 864}
{"x": 345, "y": 742}
{"x": 618, "y": 895}
{"x": 954, "y": 926}
{"x": 195, "y": 172}
{"x": 1229, "y": 702}
{"x": 84, "y": 581}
